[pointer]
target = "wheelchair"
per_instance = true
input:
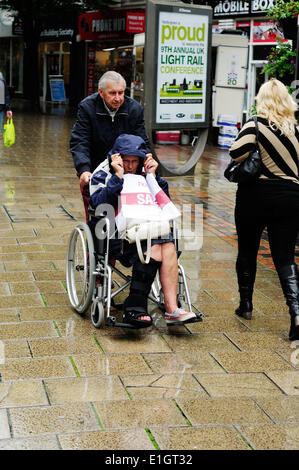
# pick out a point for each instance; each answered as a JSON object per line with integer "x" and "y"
{"x": 91, "y": 276}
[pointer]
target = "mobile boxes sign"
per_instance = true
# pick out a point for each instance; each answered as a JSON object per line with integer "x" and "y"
{"x": 181, "y": 64}
{"x": 235, "y": 8}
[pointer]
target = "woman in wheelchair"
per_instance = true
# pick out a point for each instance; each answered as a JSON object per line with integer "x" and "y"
{"x": 129, "y": 155}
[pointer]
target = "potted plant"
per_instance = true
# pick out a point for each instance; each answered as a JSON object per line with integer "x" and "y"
{"x": 286, "y": 13}
{"x": 284, "y": 9}
{"x": 281, "y": 62}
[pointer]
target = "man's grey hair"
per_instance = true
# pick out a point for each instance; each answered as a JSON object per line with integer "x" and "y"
{"x": 111, "y": 76}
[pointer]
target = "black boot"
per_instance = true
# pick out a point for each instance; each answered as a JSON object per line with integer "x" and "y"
{"x": 135, "y": 305}
{"x": 245, "y": 309}
{"x": 289, "y": 280}
{"x": 246, "y": 278}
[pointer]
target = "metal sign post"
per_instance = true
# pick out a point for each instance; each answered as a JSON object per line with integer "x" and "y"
{"x": 178, "y": 73}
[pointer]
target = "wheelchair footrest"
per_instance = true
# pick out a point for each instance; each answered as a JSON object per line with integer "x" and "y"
{"x": 192, "y": 320}
{"x": 111, "y": 321}
{"x": 118, "y": 306}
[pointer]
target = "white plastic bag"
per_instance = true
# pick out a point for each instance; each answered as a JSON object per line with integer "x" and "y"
{"x": 144, "y": 211}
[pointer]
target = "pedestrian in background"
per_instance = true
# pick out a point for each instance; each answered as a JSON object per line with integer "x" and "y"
{"x": 101, "y": 118}
{"x": 272, "y": 201}
{"x": 4, "y": 101}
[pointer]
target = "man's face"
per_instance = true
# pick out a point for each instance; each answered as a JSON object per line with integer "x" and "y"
{"x": 113, "y": 94}
{"x": 130, "y": 164}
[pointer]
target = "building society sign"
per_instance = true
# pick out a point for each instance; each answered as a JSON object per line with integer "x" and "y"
{"x": 181, "y": 67}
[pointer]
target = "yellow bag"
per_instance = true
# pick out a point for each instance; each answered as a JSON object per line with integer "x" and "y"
{"x": 9, "y": 136}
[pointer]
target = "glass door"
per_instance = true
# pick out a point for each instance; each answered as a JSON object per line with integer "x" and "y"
{"x": 255, "y": 79}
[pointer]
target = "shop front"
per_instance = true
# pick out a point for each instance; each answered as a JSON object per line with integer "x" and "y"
{"x": 249, "y": 19}
{"x": 11, "y": 52}
{"x": 54, "y": 59}
{"x": 108, "y": 38}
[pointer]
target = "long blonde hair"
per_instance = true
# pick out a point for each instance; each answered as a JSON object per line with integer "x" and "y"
{"x": 274, "y": 103}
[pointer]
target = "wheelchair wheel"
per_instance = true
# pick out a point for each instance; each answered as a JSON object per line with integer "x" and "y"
{"x": 80, "y": 267}
{"x": 97, "y": 314}
{"x": 157, "y": 292}
{"x": 181, "y": 302}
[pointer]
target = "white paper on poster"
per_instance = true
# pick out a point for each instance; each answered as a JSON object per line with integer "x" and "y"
{"x": 233, "y": 67}
{"x": 182, "y": 67}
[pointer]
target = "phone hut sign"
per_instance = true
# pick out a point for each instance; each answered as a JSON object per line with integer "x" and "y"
{"x": 177, "y": 66}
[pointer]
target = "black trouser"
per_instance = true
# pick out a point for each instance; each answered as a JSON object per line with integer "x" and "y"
{"x": 271, "y": 205}
{"x": 282, "y": 235}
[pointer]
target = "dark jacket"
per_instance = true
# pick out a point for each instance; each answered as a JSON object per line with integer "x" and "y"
{"x": 6, "y": 106}
{"x": 105, "y": 186}
{"x": 94, "y": 132}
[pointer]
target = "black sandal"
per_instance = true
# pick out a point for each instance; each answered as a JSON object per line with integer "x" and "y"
{"x": 131, "y": 316}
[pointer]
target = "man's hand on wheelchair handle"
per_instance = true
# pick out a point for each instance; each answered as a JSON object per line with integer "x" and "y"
{"x": 117, "y": 165}
{"x": 84, "y": 178}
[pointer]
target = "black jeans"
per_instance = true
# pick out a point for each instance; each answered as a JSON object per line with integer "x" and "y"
{"x": 273, "y": 205}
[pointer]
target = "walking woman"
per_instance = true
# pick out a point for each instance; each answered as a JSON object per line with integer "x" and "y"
{"x": 272, "y": 201}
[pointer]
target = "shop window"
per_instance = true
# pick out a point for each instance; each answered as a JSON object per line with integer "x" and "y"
{"x": 123, "y": 65}
{"x": 119, "y": 59}
{"x": 138, "y": 83}
{"x": 139, "y": 64}
{"x": 11, "y": 62}
{"x": 5, "y": 58}
{"x": 261, "y": 52}
{"x": 66, "y": 72}
{"x": 54, "y": 59}
{"x": 65, "y": 47}
{"x": 53, "y": 64}
{"x": 103, "y": 62}
{"x": 17, "y": 64}
{"x": 53, "y": 46}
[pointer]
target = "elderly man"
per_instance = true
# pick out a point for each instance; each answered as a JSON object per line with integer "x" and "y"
{"x": 101, "y": 118}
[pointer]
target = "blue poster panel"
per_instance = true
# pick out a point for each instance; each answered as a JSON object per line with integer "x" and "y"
{"x": 57, "y": 89}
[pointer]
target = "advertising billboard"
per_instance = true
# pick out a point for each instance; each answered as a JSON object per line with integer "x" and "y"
{"x": 177, "y": 63}
{"x": 182, "y": 67}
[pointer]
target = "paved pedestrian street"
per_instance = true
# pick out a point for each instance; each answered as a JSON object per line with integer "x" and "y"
{"x": 223, "y": 383}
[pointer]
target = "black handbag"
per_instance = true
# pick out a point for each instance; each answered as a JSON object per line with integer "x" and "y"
{"x": 249, "y": 169}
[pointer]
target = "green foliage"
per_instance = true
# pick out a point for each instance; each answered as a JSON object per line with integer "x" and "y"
{"x": 284, "y": 9}
{"x": 252, "y": 111}
{"x": 42, "y": 9}
{"x": 290, "y": 90}
{"x": 281, "y": 60}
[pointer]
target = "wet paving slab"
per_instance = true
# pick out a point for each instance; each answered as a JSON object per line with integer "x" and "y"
{"x": 223, "y": 383}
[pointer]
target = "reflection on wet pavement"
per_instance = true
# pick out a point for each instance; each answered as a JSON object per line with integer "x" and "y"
{"x": 225, "y": 383}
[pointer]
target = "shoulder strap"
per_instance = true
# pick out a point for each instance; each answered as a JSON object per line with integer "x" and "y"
{"x": 257, "y": 132}
{"x": 139, "y": 249}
